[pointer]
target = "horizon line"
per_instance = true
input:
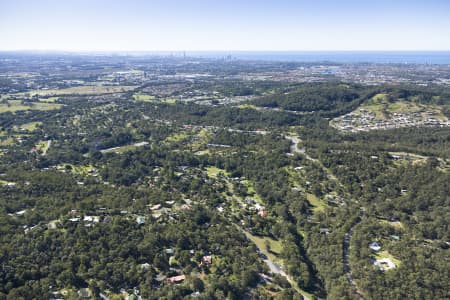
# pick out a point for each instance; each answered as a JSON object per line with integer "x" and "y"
{"x": 205, "y": 50}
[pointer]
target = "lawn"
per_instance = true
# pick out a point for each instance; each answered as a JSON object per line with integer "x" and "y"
{"x": 43, "y": 146}
{"x": 49, "y": 99}
{"x": 139, "y": 96}
{"x": 251, "y": 190}
{"x": 319, "y": 205}
{"x": 385, "y": 254}
{"x": 16, "y": 105}
{"x": 214, "y": 171}
{"x": 7, "y": 142}
{"x": 244, "y": 106}
{"x": 177, "y": 137}
{"x": 275, "y": 246}
{"x": 81, "y": 90}
{"x": 395, "y": 224}
{"x": 29, "y": 126}
{"x": 82, "y": 170}
{"x": 169, "y": 100}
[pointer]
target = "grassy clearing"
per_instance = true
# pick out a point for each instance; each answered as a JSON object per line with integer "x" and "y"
{"x": 80, "y": 90}
{"x": 385, "y": 254}
{"x": 395, "y": 224}
{"x": 275, "y": 246}
{"x": 43, "y": 146}
{"x": 177, "y": 137}
{"x": 200, "y": 140}
{"x": 7, "y": 142}
{"x": 32, "y": 126}
{"x": 82, "y": 170}
{"x": 169, "y": 100}
{"x": 16, "y": 105}
{"x": 244, "y": 106}
{"x": 139, "y": 96}
{"x": 318, "y": 205}
{"x": 213, "y": 172}
{"x": 203, "y": 152}
{"x": 49, "y": 99}
{"x": 251, "y": 190}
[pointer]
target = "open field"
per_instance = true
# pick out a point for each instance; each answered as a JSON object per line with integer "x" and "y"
{"x": 7, "y": 142}
{"x": 251, "y": 190}
{"x": 243, "y": 106}
{"x": 275, "y": 246}
{"x": 81, "y": 90}
{"x": 386, "y": 255}
{"x": 16, "y": 105}
{"x": 28, "y": 126}
{"x": 214, "y": 171}
{"x": 177, "y": 137}
{"x": 318, "y": 205}
{"x": 76, "y": 169}
{"x": 395, "y": 224}
{"x": 44, "y": 146}
{"x": 143, "y": 97}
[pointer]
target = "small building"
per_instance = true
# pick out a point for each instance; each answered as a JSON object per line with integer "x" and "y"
{"x": 169, "y": 251}
{"x": 395, "y": 237}
{"x": 375, "y": 246}
{"x": 384, "y": 264}
{"x": 324, "y": 230}
{"x": 140, "y": 220}
{"x": 176, "y": 279}
{"x": 263, "y": 213}
{"x": 94, "y": 219}
{"x": 156, "y": 207}
{"x": 84, "y": 293}
{"x": 206, "y": 260}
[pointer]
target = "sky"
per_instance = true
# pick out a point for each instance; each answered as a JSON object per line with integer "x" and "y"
{"x": 225, "y": 25}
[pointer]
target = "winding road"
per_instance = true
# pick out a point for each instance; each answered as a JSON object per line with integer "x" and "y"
{"x": 347, "y": 269}
{"x": 273, "y": 266}
{"x": 346, "y": 242}
{"x": 294, "y": 149}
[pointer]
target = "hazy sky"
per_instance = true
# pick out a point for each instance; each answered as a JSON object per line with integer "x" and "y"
{"x": 155, "y": 25}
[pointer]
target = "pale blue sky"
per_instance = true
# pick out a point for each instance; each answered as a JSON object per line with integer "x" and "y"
{"x": 177, "y": 25}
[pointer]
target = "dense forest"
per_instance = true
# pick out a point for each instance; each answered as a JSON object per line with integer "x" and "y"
{"x": 108, "y": 196}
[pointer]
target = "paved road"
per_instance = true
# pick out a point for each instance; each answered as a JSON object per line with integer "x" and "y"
{"x": 346, "y": 243}
{"x": 294, "y": 149}
{"x": 346, "y": 259}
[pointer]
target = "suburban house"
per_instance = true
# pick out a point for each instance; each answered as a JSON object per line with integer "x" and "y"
{"x": 375, "y": 246}
{"x": 176, "y": 279}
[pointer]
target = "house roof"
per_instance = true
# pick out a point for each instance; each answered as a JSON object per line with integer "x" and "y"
{"x": 176, "y": 279}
